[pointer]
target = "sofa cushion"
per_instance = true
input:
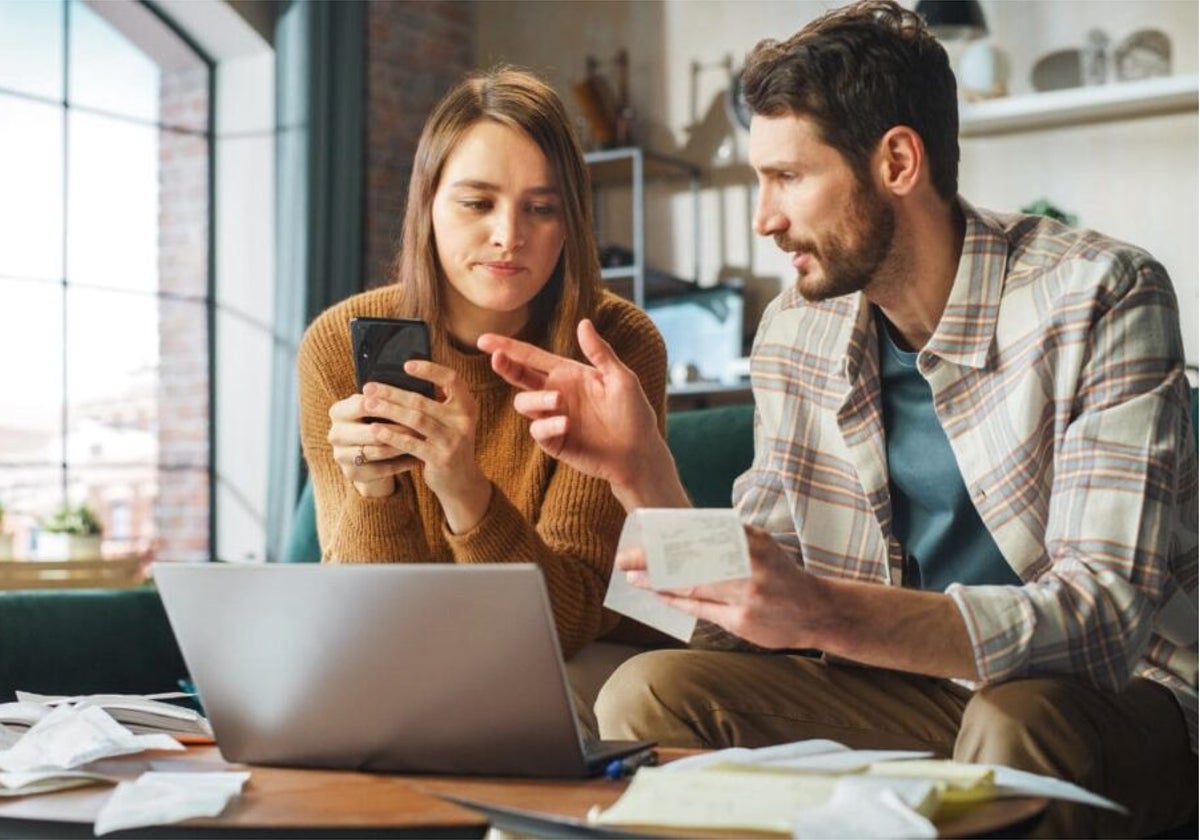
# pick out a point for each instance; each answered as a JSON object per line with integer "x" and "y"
{"x": 712, "y": 447}
{"x": 87, "y": 641}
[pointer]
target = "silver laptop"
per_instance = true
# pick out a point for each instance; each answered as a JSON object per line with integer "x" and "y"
{"x": 396, "y": 667}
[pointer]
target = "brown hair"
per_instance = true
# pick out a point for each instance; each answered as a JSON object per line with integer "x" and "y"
{"x": 521, "y": 101}
{"x": 857, "y": 72}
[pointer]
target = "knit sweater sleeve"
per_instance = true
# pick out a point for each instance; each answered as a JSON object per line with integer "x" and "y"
{"x": 351, "y": 528}
{"x": 574, "y": 538}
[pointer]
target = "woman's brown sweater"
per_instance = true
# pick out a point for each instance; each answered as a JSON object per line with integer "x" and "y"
{"x": 541, "y": 511}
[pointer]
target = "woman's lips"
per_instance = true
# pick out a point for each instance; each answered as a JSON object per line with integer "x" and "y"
{"x": 505, "y": 269}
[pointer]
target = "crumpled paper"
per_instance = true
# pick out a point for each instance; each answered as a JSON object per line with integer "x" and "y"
{"x": 69, "y": 737}
{"x": 47, "y": 781}
{"x": 871, "y": 809}
{"x": 164, "y": 798}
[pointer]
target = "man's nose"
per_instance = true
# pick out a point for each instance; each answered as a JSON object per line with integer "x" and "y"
{"x": 768, "y": 219}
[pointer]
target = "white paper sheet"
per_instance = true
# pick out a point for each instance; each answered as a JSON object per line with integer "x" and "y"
{"x": 1013, "y": 782}
{"x": 69, "y": 737}
{"x": 871, "y": 809}
{"x": 45, "y": 781}
{"x": 713, "y": 799}
{"x": 164, "y": 798}
{"x": 811, "y": 756}
{"x": 684, "y": 547}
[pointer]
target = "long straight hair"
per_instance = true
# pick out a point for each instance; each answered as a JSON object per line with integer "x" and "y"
{"x": 523, "y": 102}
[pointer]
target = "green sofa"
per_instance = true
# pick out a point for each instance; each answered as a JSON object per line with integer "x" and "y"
{"x": 89, "y": 641}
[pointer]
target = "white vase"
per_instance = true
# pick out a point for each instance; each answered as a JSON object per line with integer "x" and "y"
{"x": 983, "y": 71}
{"x": 52, "y": 546}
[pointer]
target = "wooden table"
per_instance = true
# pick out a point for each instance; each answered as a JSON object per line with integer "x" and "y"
{"x": 279, "y": 802}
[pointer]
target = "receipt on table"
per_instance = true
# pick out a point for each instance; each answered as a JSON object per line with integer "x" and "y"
{"x": 164, "y": 798}
{"x": 684, "y": 547}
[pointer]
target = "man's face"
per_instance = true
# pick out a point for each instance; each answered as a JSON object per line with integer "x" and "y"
{"x": 838, "y": 230}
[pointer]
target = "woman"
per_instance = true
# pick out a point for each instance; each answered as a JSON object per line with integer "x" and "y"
{"x": 497, "y": 238}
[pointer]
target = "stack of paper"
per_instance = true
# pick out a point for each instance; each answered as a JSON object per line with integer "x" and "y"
{"x": 820, "y": 789}
{"x": 140, "y": 714}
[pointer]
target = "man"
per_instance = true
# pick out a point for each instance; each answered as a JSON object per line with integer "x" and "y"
{"x": 973, "y": 467}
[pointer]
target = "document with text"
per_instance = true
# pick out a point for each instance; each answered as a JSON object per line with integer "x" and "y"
{"x": 684, "y": 547}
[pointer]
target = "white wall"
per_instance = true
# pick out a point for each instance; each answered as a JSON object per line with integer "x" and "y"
{"x": 1136, "y": 180}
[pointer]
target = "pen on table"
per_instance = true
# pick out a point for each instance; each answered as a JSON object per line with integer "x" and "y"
{"x": 619, "y": 768}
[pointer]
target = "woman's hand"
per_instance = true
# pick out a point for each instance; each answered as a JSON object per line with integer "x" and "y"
{"x": 371, "y": 465}
{"x": 440, "y": 433}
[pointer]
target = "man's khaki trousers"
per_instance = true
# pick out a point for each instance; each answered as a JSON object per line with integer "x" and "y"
{"x": 1130, "y": 746}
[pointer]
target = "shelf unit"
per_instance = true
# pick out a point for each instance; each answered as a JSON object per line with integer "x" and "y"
{"x": 1080, "y": 105}
{"x": 632, "y": 167}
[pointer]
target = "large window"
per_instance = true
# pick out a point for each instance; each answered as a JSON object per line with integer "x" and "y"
{"x": 104, "y": 275}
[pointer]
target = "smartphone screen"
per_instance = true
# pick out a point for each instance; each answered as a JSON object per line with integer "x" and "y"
{"x": 383, "y": 345}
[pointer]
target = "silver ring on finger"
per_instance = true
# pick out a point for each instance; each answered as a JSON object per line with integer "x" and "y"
{"x": 361, "y": 457}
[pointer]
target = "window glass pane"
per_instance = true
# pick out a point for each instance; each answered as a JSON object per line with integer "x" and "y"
{"x": 31, "y": 343}
{"x": 31, "y": 194}
{"x": 30, "y": 494}
{"x": 112, "y": 378}
{"x": 124, "y": 499}
{"x": 31, "y": 47}
{"x": 112, "y": 203}
{"x": 106, "y": 70}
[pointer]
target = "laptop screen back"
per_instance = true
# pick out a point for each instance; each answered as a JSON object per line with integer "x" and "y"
{"x": 403, "y": 668}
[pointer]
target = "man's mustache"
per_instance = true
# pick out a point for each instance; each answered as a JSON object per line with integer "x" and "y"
{"x": 791, "y": 246}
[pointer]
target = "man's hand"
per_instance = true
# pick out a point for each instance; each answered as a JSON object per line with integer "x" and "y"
{"x": 778, "y": 606}
{"x": 781, "y": 605}
{"x": 596, "y": 418}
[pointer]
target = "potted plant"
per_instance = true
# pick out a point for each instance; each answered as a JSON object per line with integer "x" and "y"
{"x": 6, "y": 540}
{"x": 72, "y": 533}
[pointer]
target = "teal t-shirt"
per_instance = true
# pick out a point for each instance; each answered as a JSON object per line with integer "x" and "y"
{"x": 932, "y": 514}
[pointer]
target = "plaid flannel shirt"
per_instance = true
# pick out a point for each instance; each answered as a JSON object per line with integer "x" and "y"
{"x": 1057, "y": 372}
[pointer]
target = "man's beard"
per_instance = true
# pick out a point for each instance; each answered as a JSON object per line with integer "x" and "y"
{"x": 849, "y": 258}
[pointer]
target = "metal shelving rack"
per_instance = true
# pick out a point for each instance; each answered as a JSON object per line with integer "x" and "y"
{"x": 633, "y": 167}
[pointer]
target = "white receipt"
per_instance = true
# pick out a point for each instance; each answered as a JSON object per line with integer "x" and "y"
{"x": 164, "y": 798}
{"x": 684, "y": 547}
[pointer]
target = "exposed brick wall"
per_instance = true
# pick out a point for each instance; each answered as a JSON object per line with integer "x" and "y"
{"x": 415, "y": 51}
{"x": 181, "y": 511}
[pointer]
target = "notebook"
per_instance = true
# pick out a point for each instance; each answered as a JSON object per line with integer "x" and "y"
{"x": 405, "y": 668}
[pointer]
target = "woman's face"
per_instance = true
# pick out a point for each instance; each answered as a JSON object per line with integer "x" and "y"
{"x": 498, "y": 227}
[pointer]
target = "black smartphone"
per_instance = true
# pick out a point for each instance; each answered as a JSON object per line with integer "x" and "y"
{"x": 383, "y": 345}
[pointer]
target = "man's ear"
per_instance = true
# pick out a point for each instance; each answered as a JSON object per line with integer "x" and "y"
{"x": 900, "y": 160}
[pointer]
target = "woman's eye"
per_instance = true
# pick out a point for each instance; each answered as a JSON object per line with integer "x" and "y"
{"x": 475, "y": 204}
{"x": 543, "y": 209}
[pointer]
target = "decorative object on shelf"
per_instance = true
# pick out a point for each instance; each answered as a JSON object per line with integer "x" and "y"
{"x": 72, "y": 533}
{"x": 1043, "y": 207}
{"x": 983, "y": 67}
{"x": 953, "y": 20}
{"x": 1143, "y": 55}
{"x": 983, "y": 71}
{"x": 609, "y": 115}
{"x": 1057, "y": 70}
{"x": 1093, "y": 60}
